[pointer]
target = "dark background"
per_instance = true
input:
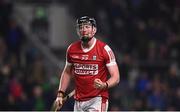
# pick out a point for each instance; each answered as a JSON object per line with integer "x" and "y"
{"x": 144, "y": 35}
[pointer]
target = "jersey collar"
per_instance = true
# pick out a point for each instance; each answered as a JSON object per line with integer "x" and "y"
{"x": 88, "y": 49}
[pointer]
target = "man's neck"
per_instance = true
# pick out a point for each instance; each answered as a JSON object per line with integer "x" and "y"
{"x": 89, "y": 44}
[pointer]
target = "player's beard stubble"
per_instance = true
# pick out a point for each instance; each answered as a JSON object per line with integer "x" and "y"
{"x": 85, "y": 39}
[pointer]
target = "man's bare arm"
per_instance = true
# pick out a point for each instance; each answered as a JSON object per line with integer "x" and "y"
{"x": 115, "y": 76}
{"x": 65, "y": 78}
{"x": 112, "y": 81}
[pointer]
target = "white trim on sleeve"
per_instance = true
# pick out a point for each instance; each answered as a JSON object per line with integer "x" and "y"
{"x": 68, "y": 64}
{"x": 111, "y": 64}
{"x": 66, "y": 54}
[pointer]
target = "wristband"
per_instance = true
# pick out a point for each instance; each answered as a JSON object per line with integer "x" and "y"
{"x": 107, "y": 85}
{"x": 60, "y": 93}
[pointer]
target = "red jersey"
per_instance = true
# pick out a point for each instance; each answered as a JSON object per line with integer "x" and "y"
{"x": 89, "y": 64}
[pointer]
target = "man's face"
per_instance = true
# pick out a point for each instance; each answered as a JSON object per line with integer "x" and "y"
{"x": 86, "y": 30}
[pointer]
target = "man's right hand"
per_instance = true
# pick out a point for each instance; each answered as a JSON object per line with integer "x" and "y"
{"x": 59, "y": 102}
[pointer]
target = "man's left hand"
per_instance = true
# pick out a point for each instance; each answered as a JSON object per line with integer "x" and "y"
{"x": 98, "y": 84}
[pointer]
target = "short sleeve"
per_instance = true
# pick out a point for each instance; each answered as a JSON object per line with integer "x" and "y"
{"x": 68, "y": 59}
{"x": 109, "y": 56}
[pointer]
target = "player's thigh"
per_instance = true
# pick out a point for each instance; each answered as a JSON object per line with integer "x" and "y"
{"x": 99, "y": 104}
{"x": 77, "y": 107}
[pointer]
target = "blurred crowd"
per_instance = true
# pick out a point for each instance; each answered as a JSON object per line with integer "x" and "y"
{"x": 23, "y": 76}
{"x": 145, "y": 35}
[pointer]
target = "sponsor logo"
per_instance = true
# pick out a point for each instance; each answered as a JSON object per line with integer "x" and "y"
{"x": 86, "y": 69}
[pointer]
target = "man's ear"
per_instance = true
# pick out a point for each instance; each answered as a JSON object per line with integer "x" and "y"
{"x": 94, "y": 30}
